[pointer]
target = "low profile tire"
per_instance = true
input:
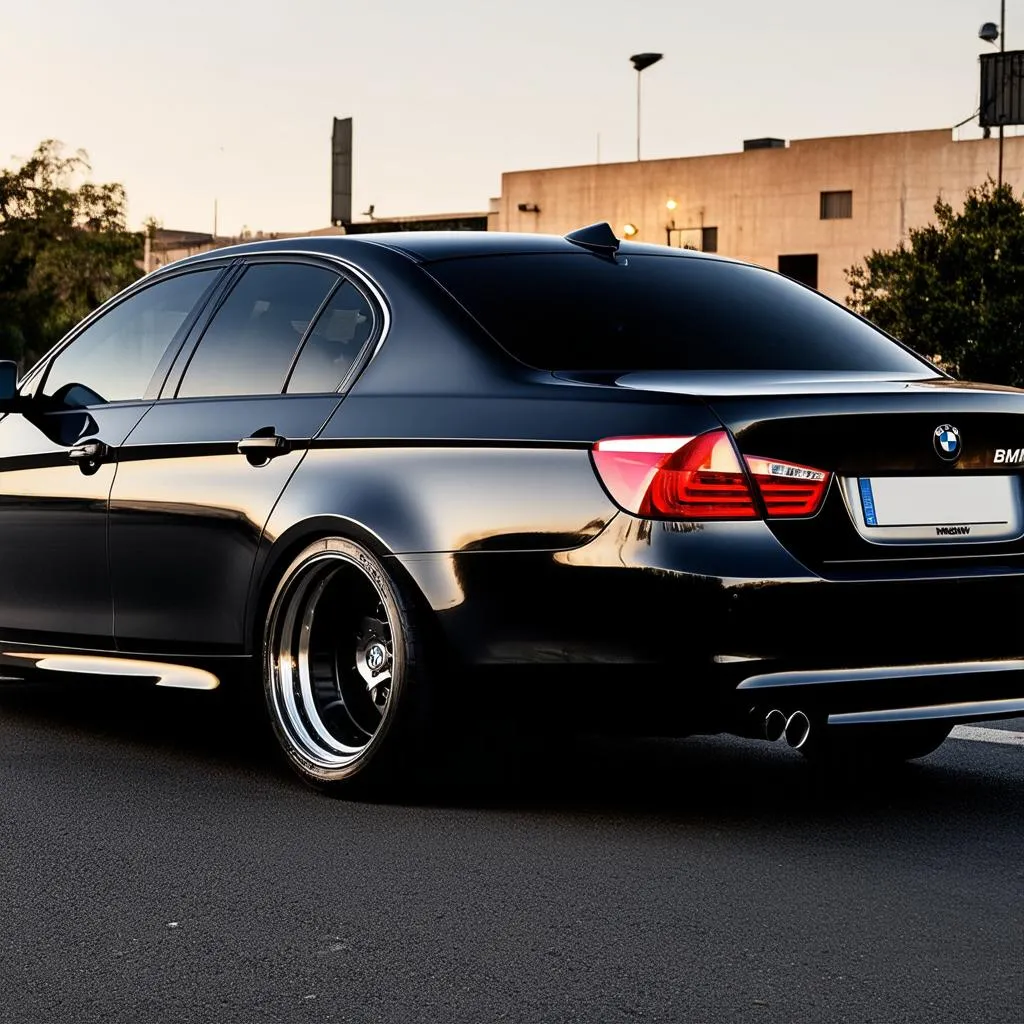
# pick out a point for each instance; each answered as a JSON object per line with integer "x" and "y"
{"x": 343, "y": 676}
{"x": 889, "y": 743}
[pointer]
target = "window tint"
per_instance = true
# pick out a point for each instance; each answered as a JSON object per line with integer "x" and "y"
{"x": 583, "y": 312}
{"x": 115, "y": 358}
{"x": 251, "y": 340}
{"x": 337, "y": 338}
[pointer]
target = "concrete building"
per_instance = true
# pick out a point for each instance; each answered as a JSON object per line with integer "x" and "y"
{"x": 165, "y": 245}
{"x": 810, "y": 208}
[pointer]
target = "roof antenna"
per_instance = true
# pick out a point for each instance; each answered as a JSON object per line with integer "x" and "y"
{"x": 597, "y": 238}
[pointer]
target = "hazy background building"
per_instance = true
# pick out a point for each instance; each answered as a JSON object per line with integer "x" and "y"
{"x": 810, "y": 207}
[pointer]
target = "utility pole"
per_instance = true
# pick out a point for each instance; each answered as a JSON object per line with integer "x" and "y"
{"x": 1002, "y": 49}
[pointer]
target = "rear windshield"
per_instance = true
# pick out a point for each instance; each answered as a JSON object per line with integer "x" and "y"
{"x": 574, "y": 311}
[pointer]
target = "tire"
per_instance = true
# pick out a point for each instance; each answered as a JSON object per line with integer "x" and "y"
{"x": 885, "y": 744}
{"x": 344, "y": 681}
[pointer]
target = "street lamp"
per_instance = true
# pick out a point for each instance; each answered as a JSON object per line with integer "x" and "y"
{"x": 989, "y": 33}
{"x": 642, "y": 61}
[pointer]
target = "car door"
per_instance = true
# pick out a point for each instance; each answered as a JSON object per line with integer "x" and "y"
{"x": 58, "y": 458}
{"x": 202, "y": 471}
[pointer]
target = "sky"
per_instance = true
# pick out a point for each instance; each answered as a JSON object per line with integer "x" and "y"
{"x": 190, "y": 102}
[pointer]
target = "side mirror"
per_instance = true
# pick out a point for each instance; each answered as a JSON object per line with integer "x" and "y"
{"x": 8, "y": 385}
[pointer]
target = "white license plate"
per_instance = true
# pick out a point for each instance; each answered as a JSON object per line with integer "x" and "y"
{"x": 961, "y": 508}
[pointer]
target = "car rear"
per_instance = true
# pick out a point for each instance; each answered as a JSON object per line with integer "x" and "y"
{"x": 848, "y": 541}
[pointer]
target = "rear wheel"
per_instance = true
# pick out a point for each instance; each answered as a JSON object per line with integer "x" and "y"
{"x": 343, "y": 678}
{"x": 887, "y": 743}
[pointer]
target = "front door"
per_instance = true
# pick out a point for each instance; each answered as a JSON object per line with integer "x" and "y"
{"x": 58, "y": 460}
{"x": 201, "y": 473}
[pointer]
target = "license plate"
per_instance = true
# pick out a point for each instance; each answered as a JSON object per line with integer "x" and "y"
{"x": 961, "y": 508}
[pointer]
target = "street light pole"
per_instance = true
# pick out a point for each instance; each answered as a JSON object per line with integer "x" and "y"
{"x": 641, "y": 61}
{"x": 1002, "y": 49}
{"x": 638, "y": 76}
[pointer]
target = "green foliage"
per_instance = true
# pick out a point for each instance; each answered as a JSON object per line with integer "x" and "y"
{"x": 955, "y": 290}
{"x": 64, "y": 249}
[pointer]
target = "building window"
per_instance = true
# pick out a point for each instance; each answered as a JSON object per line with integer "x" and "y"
{"x": 836, "y": 205}
{"x": 801, "y": 268}
{"x": 700, "y": 239}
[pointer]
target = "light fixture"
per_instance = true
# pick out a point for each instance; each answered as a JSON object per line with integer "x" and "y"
{"x": 671, "y": 204}
{"x": 629, "y": 230}
{"x": 529, "y": 208}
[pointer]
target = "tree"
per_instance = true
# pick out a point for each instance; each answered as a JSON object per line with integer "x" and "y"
{"x": 64, "y": 249}
{"x": 953, "y": 291}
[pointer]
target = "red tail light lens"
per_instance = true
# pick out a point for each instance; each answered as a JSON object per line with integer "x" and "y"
{"x": 701, "y": 478}
{"x": 788, "y": 490}
{"x": 676, "y": 477}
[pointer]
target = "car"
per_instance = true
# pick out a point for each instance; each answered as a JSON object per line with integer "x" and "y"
{"x": 622, "y": 486}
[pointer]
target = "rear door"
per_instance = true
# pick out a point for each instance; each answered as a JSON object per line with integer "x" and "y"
{"x": 201, "y": 473}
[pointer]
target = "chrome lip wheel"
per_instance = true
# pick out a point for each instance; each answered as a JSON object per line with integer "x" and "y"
{"x": 332, "y": 662}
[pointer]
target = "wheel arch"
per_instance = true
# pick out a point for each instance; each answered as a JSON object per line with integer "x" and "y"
{"x": 276, "y": 556}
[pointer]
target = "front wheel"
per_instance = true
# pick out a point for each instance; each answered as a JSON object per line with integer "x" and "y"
{"x": 342, "y": 669}
{"x": 887, "y": 743}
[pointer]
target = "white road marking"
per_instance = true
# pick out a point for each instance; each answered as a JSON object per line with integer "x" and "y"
{"x": 974, "y": 732}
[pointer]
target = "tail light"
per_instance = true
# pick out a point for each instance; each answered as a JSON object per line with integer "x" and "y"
{"x": 701, "y": 478}
{"x": 788, "y": 489}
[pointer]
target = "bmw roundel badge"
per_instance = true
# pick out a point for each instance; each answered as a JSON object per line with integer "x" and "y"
{"x": 947, "y": 442}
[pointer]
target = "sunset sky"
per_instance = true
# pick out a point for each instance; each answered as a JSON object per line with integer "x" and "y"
{"x": 192, "y": 101}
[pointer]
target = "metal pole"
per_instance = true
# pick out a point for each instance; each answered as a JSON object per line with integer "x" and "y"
{"x": 638, "y": 73}
{"x": 1002, "y": 49}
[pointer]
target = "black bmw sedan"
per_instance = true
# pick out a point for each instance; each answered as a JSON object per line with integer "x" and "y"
{"x": 663, "y": 491}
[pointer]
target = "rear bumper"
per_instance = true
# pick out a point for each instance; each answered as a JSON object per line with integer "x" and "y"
{"x": 707, "y": 624}
{"x": 958, "y": 691}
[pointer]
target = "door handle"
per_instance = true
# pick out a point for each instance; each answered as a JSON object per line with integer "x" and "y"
{"x": 261, "y": 448}
{"x": 88, "y": 451}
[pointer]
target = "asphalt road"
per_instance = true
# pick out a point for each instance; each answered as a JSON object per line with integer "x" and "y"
{"x": 156, "y": 864}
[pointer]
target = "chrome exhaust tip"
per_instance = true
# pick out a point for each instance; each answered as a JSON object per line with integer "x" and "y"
{"x": 798, "y": 728}
{"x": 774, "y": 725}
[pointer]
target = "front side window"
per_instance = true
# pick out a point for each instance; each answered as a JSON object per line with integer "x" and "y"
{"x": 249, "y": 345}
{"x": 114, "y": 358}
{"x": 335, "y": 342}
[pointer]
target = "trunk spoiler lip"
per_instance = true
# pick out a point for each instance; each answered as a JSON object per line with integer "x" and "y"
{"x": 764, "y": 383}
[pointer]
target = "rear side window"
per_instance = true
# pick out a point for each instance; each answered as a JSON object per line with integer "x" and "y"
{"x": 337, "y": 338}
{"x": 583, "y": 312}
{"x": 250, "y": 343}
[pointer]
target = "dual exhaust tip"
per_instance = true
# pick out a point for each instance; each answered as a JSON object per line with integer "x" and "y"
{"x": 795, "y": 728}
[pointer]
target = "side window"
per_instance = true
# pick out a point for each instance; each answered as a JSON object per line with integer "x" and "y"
{"x": 249, "y": 345}
{"x": 114, "y": 359}
{"x": 337, "y": 338}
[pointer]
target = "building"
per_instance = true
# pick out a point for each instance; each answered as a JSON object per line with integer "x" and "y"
{"x": 810, "y": 208}
{"x": 165, "y": 245}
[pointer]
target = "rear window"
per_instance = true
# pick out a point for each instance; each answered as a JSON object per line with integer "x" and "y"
{"x": 583, "y": 312}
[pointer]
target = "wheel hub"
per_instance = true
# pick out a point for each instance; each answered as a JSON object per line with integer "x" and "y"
{"x": 373, "y": 660}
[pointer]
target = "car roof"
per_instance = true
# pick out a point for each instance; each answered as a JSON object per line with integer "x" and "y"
{"x": 428, "y": 246}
